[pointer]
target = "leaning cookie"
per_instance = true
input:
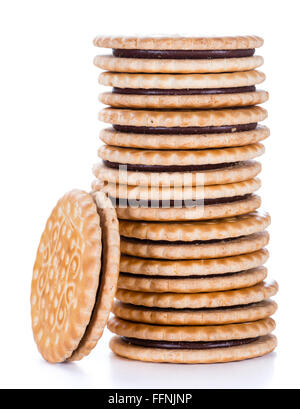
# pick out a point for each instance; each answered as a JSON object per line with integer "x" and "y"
{"x": 75, "y": 276}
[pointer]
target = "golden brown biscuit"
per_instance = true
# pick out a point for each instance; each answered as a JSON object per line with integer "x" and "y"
{"x": 72, "y": 287}
{"x": 213, "y": 316}
{"x": 66, "y": 276}
{"x": 226, "y": 100}
{"x": 205, "y": 141}
{"x": 222, "y": 282}
{"x": 108, "y": 279}
{"x": 240, "y": 207}
{"x": 257, "y": 293}
{"x": 235, "y": 173}
{"x": 195, "y": 118}
{"x": 180, "y": 157}
{"x": 143, "y": 193}
{"x": 179, "y": 42}
{"x": 185, "y": 268}
{"x": 186, "y": 251}
{"x": 202, "y": 230}
{"x": 206, "y": 333}
{"x": 186, "y": 66}
{"x": 181, "y": 81}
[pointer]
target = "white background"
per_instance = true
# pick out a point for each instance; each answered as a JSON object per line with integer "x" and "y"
{"x": 49, "y": 137}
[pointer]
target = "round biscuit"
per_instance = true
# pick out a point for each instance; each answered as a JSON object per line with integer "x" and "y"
{"x": 66, "y": 276}
{"x": 183, "y": 118}
{"x": 199, "y": 157}
{"x": 206, "y": 333}
{"x": 185, "y": 268}
{"x": 179, "y": 42}
{"x": 235, "y": 173}
{"x": 213, "y": 316}
{"x": 250, "y": 295}
{"x": 244, "y": 279}
{"x": 243, "y": 206}
{"x": 181, "y": 81}
{"x": 203, "y": 230}
{"x": 110, "y": 136}
{"x": 143, "y": 193}
{"x": 233, "y": 247}
{"x": 241, "y": 99}
{"x": 167, "y": 66}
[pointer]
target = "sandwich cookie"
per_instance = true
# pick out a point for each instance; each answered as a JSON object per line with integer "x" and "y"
{"x": 176, "y": 141}
{"x": 192, "y": 284}
{"x": 211, "y": 316}
{"x": 179, "y": 54}
{"x": 235, "y": 172}
{"x": 202, "y": 344}
{"x": 195, "y": 240}
{"x": 75, "y": 276}
{"x": 219, "y": 354}
{"x": 182, "y": 90}
{"x": 186, "y": 268}
{"x": 238, "y": 297}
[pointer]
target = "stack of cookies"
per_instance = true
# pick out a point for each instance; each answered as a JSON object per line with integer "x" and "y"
{"x": 179, "y": 163}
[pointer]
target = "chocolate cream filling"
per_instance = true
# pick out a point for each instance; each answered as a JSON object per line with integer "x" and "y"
{"x": 180, "y": 277}
{"x": 171, "y": 168}
{"x": 183, "y": 54}
{"x": 187, "y": 130}
{"x": 188, "y": 345}
{"x": 156, "y": 204}
{"x": 189, "y": 91}
{"x": 178, "y": 242}
{"x": 157, "y": 309}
